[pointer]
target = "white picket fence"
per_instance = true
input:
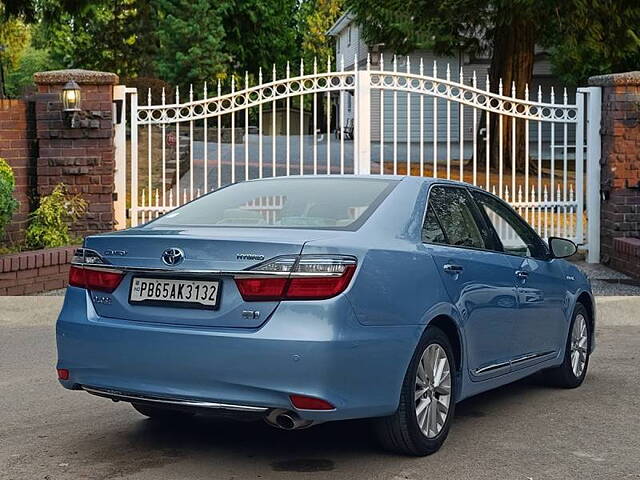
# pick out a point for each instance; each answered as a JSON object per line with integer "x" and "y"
{"x": 393, "y": 119}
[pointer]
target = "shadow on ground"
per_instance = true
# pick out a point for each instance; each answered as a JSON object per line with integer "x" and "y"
{"x": 310, "y": 450}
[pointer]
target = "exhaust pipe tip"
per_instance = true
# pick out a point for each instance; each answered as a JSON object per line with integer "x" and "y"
{"x": 286, "y": 420}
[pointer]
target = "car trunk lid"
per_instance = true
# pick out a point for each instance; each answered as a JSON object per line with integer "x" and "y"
{"x": 210, "y": 254}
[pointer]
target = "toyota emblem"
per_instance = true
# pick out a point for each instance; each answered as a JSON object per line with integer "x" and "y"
{"x": 172, "y": 256}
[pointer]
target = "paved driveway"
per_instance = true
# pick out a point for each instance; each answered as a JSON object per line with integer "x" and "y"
{"x": 524, "y": 431}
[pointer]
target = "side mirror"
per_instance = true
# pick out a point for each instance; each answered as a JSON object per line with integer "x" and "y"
{"x": 561, "y": 247}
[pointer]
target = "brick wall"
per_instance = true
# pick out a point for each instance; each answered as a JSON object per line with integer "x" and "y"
{"x": 44, "y": 148}
{"x": 33, "y": 272}
{"x": 81, "y": 156}
{"x": 620, "y": 177}
{"x": 18, "y": 148}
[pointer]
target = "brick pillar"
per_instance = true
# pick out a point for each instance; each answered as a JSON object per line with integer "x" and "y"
{"x": 620, "y": 178}
{"x": 80, "y": 156}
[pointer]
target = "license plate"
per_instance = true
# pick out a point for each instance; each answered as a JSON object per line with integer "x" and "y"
{"x": 176, "y": 291}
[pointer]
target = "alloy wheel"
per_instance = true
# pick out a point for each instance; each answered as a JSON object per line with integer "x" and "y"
{"x": 579, "y": 343}
{"x": 433, "y": 390}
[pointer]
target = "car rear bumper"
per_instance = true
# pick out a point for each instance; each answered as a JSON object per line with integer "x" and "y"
{"x": 309, "y": 348}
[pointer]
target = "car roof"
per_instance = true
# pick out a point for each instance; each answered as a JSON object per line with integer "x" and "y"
{"x": 403, "y": 178}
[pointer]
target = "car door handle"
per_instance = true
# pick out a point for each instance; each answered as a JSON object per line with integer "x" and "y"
{"x": 522, "y": 275}
{"x": 449, "y": 268}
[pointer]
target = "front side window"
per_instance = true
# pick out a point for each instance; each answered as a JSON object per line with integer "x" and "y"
{"x": 450, "y": 218}
{"x": 515, "y": 235}
{"x": 316, "y": 203}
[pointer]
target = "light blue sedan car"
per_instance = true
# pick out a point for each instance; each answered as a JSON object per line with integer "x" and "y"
{"x": 302, "y": 300}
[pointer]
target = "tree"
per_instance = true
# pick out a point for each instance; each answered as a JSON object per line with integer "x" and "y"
{"x": 191, "y": 37}
{"x": 111, "y": 35}
{"x": 181, "y": 41}
{"x": 595, "y": 37}
{"x": 510, "y": 30}
{"x": 27, "y": 9}
{"x": 317, "y": 18}
{"x": 260, "y": 33}
{"x": 33, "y": 60}
{"x": 14, "y": 39}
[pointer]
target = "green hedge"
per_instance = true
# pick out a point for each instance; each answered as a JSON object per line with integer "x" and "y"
{"x": 8, "y": 204}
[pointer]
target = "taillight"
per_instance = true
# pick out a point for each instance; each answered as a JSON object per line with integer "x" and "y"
{"x": 261, "y": 289}
{"x": 317, "y": 288}
{"x": 304, "y": 277}
{"x": 101, "y": 280}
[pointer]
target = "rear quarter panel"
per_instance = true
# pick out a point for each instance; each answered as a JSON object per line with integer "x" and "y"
{"x": 396, "y": 282}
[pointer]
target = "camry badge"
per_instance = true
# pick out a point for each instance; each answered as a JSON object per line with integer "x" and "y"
{"x": 172, "y": 256}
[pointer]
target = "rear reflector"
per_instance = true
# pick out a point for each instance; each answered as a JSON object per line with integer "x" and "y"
{"x": 63, "y": 374}
{"x": 94, "y": 279}
{"x": 303, "y": 402}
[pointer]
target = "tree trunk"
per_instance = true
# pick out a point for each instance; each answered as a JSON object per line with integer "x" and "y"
{"x": 512, "y": 61}
{"x": 2, "y": 86}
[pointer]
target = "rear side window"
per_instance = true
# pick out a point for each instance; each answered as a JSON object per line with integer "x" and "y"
{"x": 450, "y": 211}
{"x": 431, "y": 230}
{"x": 316, "y": 203}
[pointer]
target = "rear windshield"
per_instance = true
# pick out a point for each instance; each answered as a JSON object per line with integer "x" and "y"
{"x": 316, "y": 203}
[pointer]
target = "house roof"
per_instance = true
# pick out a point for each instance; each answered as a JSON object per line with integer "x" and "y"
{"x": 340, "y": 24}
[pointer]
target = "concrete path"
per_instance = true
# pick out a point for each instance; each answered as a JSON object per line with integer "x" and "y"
{"x": 523, "y": 431}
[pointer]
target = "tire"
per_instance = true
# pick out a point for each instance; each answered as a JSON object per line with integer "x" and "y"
{"x": 566, "y": 375}
{"x": 402, "y": 432}
{"x": 160, "y": 413}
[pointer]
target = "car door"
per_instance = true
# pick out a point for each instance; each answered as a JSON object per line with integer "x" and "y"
{"x": 540, "y": 322}
{"x": 479, "y": 281}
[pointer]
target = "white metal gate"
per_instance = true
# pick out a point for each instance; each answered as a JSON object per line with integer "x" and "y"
{"x": 401, "y": 119}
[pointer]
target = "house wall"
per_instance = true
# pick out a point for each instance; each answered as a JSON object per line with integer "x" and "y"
{"x": 350, "y": 50}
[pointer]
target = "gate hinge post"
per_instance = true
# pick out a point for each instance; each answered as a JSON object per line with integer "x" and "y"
{"x": 594, "y": 143}
{"x": 120, "y": 157}
{"x": 362, "y": 139}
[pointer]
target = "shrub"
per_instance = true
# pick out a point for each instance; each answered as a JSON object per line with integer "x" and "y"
{"x": 49, "y": 226}
{"x": 8, "y": 204}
